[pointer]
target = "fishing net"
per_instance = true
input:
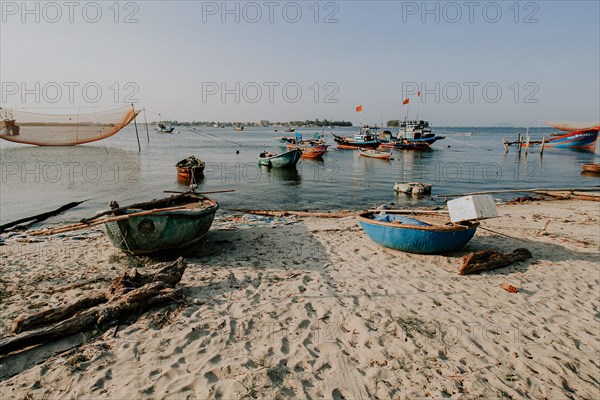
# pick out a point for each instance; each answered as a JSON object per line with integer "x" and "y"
{"x": 63, "y": 130}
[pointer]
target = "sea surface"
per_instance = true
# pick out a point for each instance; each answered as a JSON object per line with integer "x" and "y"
{"x": 38, "y": 179}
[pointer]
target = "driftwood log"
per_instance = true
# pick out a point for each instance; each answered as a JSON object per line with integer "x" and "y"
{"x": 487, "y": 260}
{"x": 41, "y": 217}
{"x": 127, "y": 294}
{"x": 285, "y": 213}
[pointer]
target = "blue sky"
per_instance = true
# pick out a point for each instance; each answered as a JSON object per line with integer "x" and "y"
{"x": 180, "y": 50}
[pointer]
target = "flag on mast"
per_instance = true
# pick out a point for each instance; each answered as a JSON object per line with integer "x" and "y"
{"x": 359, "y": 108}
{"x": 406, "y": 101}
{"x": 419, "y": 93}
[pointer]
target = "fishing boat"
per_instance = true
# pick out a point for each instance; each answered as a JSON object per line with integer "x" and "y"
{"x": 290, "y": 129}
{"x": 364, "y": 140}
{"x": 170, "y": 223}
{"x": 412, "y": 135}
{"x": 162, "y": 128}
{"x": 383, "y": 155}
{"x": 593, "y": 168}
{"x": 190, "y": 170}
{"x": 285, "y": 160}
{"x": 419, "y": 232}
{"x": 239, "y": 128}
{"x": 64, "y": 129}
{"x": 309, "y": 150}
{"x": 580, "y": 135}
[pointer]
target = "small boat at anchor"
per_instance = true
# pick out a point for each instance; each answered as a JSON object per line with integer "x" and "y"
{"x": 165, "y": 224}
{"x": 382, "y": 155}
{"x": 419, "y": 232}
{"x": 366, "y": 141}
{"x": 284, "y": 160}
{"x": 162, "y": 128}
{"x": 311, "y": 148}
{"x": 591, "y": 168}
{"x": 190, "y": 170}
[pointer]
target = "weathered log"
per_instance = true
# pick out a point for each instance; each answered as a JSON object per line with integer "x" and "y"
{"x": 285, "y": 213}
{"x": 60, "y": 313}
{"x": 41, "y": 217}
{"x": 487, "y": 260}
{"x": 131, "y": 292}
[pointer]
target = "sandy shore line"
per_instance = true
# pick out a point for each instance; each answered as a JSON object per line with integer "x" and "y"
{"x": 312, "y": 308}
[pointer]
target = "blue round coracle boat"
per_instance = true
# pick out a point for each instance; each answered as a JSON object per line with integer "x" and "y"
{"x": 416, "y": 232}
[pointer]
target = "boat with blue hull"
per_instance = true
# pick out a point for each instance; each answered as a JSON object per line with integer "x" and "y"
{"x": 361, "y": 140}
{"x": 285, "y": 160}
{"x": 416, "y": 232}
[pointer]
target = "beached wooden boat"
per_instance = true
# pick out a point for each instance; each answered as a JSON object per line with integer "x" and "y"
{"x": 285, "y": 160}
{"x": 366, "y": 141}
{"x": 190, "y": 169}
{"x": 416, "y": 232}
{"x": 163, "y": 230}
{"x": 593, "y": 168}
{"x": 383, "y": 155}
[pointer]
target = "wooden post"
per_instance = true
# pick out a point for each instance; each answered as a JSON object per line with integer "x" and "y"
{"x": 505, "y": 145}
{"x": 136, "y": 129}
{"x": 146, "y": 122}
{"x": 519, "y": 143}
{"x": 527, "y": 145}
{"x": 542, "y": 149}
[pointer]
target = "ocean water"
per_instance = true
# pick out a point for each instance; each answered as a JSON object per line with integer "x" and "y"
{"x": 37, "y": 179}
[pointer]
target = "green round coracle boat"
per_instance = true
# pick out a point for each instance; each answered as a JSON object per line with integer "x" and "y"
{"x": 171, "y": 223}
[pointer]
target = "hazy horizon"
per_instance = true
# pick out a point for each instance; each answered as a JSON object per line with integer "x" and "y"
{"x": 483, "y": 65}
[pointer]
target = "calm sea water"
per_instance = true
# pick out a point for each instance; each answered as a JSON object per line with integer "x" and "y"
{"x": 38, "y": 179}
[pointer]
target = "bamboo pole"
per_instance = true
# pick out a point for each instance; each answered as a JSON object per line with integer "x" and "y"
{"x": 542, "y": 149}
{"x": 505, "y": 142}
{"x": 527, "y": 145}
{"x": 79, "y": 226}
{"x": 146, "y": 122}
{"x": 136, "y": 129}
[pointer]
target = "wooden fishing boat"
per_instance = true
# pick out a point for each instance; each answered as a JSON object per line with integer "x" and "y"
{"x": 309, "y": 149}
{"x": 285, "y": 160}
{"x": 290, "y": 130}
{"x": 239, "y": 128}
{"x": 366, "y": 141}
{"x": 593, "y": 168}
{"x": 162, "y": 128}
{"x": 416, "y": 232}
{"x": 383, "y": 155}
{"x": 164, "y": 228}
{"x": 190, "y": 170}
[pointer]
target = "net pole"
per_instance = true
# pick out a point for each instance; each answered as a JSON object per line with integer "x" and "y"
{"x": 146, "y": 122}
{"x": 136, "y": 129}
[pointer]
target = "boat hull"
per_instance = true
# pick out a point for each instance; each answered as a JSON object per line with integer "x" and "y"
{"x": 285, "y": 160}
{"x": 309, "y": 151}
{"x": 375, "y": 154}
{"x": 188, "y": 174}
{"x": 593, "y": 168}
{"x": 161, "y": 231}
{"x": 351, "y": 144}
{"x": 416, "y": 239}
{"x": 579, "y": 139}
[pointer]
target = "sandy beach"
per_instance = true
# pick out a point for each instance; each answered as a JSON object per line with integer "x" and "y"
{"x": 311, "y": 308}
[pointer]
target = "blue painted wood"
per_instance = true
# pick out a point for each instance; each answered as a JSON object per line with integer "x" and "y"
{"x": 414, "y": 239}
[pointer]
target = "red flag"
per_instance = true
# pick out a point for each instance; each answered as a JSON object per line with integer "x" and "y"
{"x": 359, "y": 108}
{"x": 419, "y": 94}
{"x": 406, "y": 101}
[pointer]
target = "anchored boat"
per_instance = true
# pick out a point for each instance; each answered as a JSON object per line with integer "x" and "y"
{"x": 364, "y": 140}
{"x": 190, "y": 169}
{"x": 169, "y": 223}
{"x": 417, "y": 232}
{"x": 162, "y": 128}
{"x": 383, "y": 155}
{"x": 285, "y": 160}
